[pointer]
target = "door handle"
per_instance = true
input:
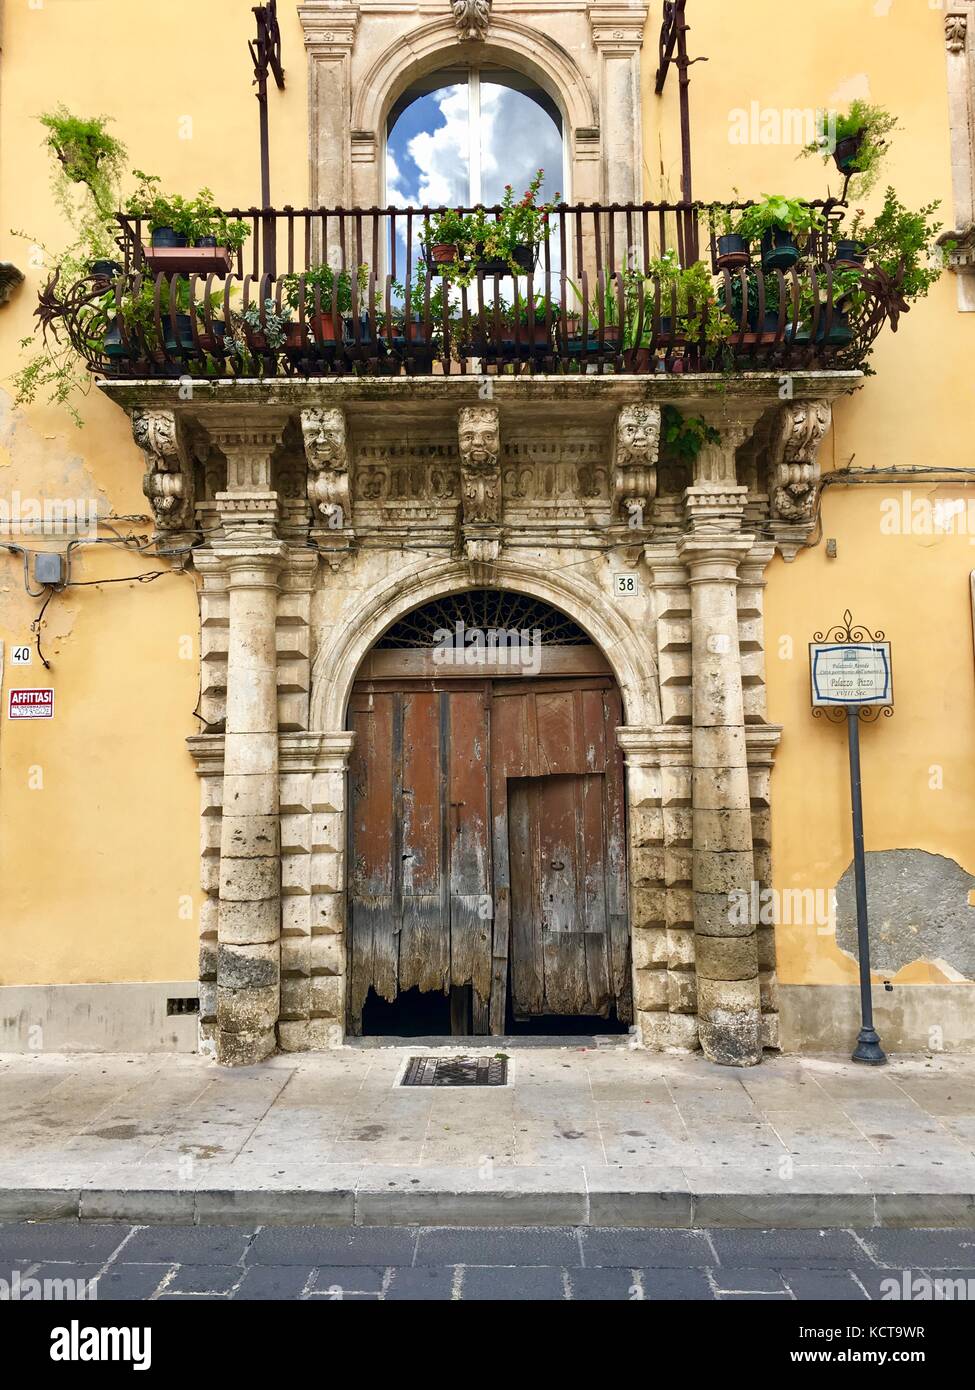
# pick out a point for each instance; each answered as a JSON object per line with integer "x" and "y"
{"x": 557, "y": 864}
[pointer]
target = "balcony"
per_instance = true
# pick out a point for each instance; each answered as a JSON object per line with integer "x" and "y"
{"x": 330, "y": 292}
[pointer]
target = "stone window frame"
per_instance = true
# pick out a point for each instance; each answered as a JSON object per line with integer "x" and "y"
{"x": 363, "y": 54}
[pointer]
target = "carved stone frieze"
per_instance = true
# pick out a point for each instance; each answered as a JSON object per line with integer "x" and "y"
{"x": 167, "y": 482}
{"x": 635, "y": 465}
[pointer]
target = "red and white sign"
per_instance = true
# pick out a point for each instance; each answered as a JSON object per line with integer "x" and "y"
{"x": 31, "y": 704}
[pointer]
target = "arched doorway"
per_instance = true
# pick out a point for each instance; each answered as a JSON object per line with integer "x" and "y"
{"x": 487, "y": 846}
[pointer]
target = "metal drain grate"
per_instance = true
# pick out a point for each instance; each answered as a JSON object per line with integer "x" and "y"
{"x": 456, "y": 1071}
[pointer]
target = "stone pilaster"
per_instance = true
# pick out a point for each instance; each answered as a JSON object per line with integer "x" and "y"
{"x": 723, "y": 866}
{"x": 207, "y": 751}
{"x": 330, "y": 28}
{"x": 672, "y": 615}
{"x": 313, "y": 869}
{"x": 617, "y": 35}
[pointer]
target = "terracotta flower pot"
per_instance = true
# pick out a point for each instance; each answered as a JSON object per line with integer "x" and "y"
{"x": 443, "y": 253}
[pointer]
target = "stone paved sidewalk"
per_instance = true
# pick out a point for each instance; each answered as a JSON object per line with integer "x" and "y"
{"x": 581, "y": 1136}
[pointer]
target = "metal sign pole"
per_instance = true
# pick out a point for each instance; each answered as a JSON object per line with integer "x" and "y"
{"x": 851, "y": 675}
{"x": 868, "y": 1047}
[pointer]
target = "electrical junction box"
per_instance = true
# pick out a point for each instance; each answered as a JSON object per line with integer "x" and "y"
{"x": 49, "y": 568}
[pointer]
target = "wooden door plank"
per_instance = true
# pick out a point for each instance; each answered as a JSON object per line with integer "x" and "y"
{"x": 469, "y": 823}
{"x": 424, "y": 942}
{"x": 370, "y": 870}
{"x": 620, "y": 964}
{"x": 527, "y": 972}
{"x": 563, "y": 944}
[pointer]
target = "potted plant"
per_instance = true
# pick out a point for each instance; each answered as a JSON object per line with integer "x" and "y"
{"x": 700, "y": 316}
{"x": 444, "y": 235}
{"x": 508, "y": 243}
{"x": 854, "y": 140}
{"x": 732, "y": 251}
{"x": 524, "y": 325}
{"x": 776, "y": 222}
{"x": 410, "y": 326}
{"x": 176, "y": 222}
{"x": 323, "y": 298}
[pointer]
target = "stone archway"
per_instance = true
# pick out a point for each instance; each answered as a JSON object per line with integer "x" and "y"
{"x": 323, "y": 758}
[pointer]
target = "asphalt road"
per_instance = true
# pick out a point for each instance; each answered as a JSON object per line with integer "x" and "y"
{"x": 138, "y": 1263}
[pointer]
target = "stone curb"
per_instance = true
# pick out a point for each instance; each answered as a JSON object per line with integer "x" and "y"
{"x": 479, "y": 1207}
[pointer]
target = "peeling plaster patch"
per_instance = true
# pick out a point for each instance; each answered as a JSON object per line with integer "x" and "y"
{"x": 33, "y": 460}
{"x": 851, "y": 89}
{"x": 920, "y": 909}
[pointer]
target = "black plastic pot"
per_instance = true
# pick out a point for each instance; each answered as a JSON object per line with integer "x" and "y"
{"x": 114, "y": 346}
{"x": 846, "y": 152}
{"x": 105, "y": 270}
{"x": 779, "y": 250}
{"x": 732, "y": 252}
{"x": 165, "y": 236}
{"x": 523, "y": 257}
{"x": 205, "y": 241}
{"x": 182, "y": 339}
{"x": 851, "y": 252}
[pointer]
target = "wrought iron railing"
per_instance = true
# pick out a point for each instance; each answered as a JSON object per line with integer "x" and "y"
{"x": 587, "y": 297}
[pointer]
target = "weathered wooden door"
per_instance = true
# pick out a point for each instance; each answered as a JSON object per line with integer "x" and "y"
{"x": 420, "y": 871}
{"x": 487, "y": 846}
{"x": 561, "y": 924}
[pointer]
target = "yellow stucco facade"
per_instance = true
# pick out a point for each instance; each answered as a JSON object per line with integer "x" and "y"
{"x": 99, "y": 827}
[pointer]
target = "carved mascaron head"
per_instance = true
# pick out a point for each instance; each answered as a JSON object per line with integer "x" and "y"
{"x": 479, "y": 437}
{"x": 637, "y": 435}
{"x": 325, "y": 439}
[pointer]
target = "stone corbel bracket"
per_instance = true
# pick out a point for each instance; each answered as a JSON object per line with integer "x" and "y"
{"x": 637, "y": 448}
{"x": 479, "y": 444}
{"x": 168, "y": 479}
{"x": 327, "y": 448}
{"x": 793, "y": 474}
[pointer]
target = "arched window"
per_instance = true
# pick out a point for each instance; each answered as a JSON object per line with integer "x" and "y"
{"x": 457, "y": 136}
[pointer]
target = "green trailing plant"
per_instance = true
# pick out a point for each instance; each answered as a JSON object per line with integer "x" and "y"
{"x": 449, "y": 228}
{"x": 87, "y": 155}
{"x": 87, "y": 168}
{"x": 776, "y": 212}
{"x": 867, "y": 124}
{"x": 685, "y": 435}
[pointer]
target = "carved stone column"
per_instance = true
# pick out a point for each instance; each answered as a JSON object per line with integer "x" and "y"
{"x": 479, "y": 443}
{"x": 793, "y": 471}
{"x": 729, "y": 1014}
{"x": 249, "y": 915}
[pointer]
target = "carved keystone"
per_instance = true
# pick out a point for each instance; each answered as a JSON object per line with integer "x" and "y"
{"x": 472, "y": 18}
{"x": 167, "y": 482}
{"x": 635, "y": 465}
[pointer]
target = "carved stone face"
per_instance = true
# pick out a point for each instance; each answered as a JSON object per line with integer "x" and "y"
{"x": 324, "y": 436}
{"x": 479, "y": 438}
{"x": 637, "y": 434}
